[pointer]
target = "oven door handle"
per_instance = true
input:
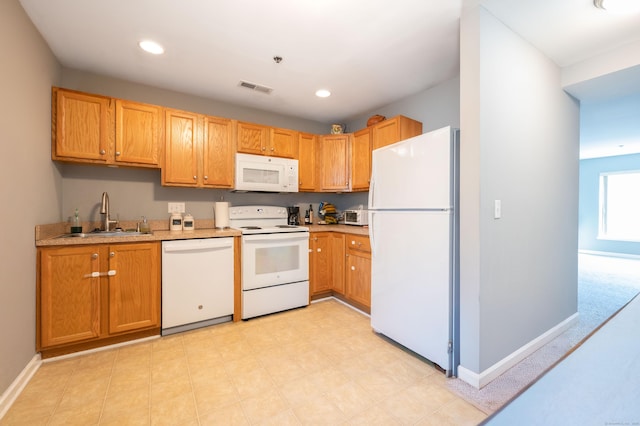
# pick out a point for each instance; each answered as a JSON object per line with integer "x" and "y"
{"x": 285, "y": 236}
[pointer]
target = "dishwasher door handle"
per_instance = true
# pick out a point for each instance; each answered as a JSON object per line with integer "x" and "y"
{"x": 197, "y": 245}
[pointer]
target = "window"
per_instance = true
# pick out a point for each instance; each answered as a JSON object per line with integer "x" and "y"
{"x": 620, "y": 206}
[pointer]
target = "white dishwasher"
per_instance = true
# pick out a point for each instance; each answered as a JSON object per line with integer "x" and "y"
{"x": 197, "y": 283}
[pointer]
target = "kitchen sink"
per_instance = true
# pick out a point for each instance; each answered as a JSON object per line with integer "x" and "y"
{"x": 104, "y": 234}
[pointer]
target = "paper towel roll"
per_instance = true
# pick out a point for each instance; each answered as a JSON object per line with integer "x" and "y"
{"x": 221, "y": 214}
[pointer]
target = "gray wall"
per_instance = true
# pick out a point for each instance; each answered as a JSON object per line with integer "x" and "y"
{"x": 435, "y": 107}
{"x": 31, "y": 185}
{"x": 519, "y": 144}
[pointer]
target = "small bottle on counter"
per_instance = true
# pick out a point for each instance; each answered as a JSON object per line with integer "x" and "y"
{"x": 76, "y": 225}
{"x": 306, "y": 216}
{"x": 144, "y": 226}
{"x": 310, "y": 214}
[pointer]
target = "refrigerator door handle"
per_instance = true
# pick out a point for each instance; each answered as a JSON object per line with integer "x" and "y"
{"x": 372, "y": 240}
{"x": 372, "y": 185}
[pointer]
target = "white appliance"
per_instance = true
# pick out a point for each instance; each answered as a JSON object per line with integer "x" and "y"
{"x": 266, "y": 174}
{"x": 275, "y": 260}
{"x": 358, "y": 217}
{"x": 197, "y": 283}
{"x": 413, "y": 231}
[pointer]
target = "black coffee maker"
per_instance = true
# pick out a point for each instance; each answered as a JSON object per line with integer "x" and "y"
{"x": 293, "y": 215}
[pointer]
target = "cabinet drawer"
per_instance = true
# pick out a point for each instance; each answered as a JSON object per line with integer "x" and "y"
{"x": 358, "y": 242}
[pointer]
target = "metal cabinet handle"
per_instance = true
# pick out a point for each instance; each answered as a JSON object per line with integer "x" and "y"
{"x": 264, "y": 148}
{"x": 117, "y": 153}
{"x": 112, "y": 254}
{"x": 195, "y": 177}
{"x": 272, "y": 149}
{"x": 206, "y": 177}
{"x": 94, "y": 256}
{"x": 353, "y": 268}
{"x": 318, "y": 249}
{"x": 103, "y": 152}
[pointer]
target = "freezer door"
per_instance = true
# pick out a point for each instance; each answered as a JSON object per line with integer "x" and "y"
{"x": 422, "y": 164}
{"x": 411, "y": 281}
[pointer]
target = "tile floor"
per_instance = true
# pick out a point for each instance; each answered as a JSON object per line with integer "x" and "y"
{"x": 320, "y": 365}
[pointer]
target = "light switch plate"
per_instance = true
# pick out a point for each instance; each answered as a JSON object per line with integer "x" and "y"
{"x": 176, "y": 208}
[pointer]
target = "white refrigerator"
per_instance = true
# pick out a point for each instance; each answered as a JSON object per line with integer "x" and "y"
{"x": 413, "y": 229}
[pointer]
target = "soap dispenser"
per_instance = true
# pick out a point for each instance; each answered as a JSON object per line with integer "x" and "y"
{"x": 144, "y": 226}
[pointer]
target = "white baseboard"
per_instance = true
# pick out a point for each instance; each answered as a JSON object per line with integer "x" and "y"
{"x": 11, "y": 394}
{"x": 479, "y": 380}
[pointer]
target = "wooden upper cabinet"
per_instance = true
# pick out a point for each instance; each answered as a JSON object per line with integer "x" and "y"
{"x": 263, "y": 140}
{"x": 139, "y": 134}
{"x": 335, "y": 162}
{"x": 307, "y": 162}
{"x": 182, "y": 142}
{"x": 82, "y": 127}
{"x": 394, "y": 130}
{"x": 361, "y": 160}
{"x": 283, "y": 143}
{"x": 252, "y": 138}
{"x": 218, "y": 153}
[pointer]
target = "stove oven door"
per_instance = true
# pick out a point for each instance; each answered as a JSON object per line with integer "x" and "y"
{"x": 274, "y": 259}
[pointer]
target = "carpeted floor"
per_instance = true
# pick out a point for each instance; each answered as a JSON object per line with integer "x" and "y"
{"x": 605, "y": 284}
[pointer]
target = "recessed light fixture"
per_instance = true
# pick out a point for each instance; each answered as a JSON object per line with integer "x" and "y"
{"x": 151, "y": 47}
{"x": 618, "y": 6}
{"x": 323, "y": 93}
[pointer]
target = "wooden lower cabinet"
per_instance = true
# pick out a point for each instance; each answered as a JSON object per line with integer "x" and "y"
{"x": 93, "y": 295}
{"x": 320, "y": 258}
{"x": 358, "y": 271}
{"x": 340, "y": 265}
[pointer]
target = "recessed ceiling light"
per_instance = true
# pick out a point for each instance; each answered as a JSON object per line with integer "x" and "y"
{"x": 323, "y": 93}
{"x": 151, "y": 47}
{"x": 618, "y": 6}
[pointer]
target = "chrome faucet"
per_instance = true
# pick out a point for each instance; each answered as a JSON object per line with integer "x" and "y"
{"x": 104, "y": 209}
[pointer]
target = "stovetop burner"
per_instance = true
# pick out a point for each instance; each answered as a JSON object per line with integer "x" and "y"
{"x": 262, "y": 220}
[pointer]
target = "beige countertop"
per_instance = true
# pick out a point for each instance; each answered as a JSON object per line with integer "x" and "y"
{"x": 53, "y": 234}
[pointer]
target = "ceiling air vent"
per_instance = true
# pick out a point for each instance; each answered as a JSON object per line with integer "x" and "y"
{"x": 256, "y": 87}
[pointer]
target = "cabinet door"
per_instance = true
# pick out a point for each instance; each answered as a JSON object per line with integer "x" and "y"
{"x": 252, "y": 138}
{"x": 337, "y": 262}
{"x": 361, "y": 160}
{"x": 69, "y": 296}
{"x": 218, "y": 153}
{"x": 283, "y": 143}
{"x": 138, "y": 133}
{"x": 394, "y": 130}
{"x": 320, "y": 258}
{"x": 307, "y": 162}
{"x": 358, "y": 277}
{"x": 83, "y": 126}
{"x": 134, "y": 287}
{"x": 334, "y": 154}
{"x": 181, "y": 149}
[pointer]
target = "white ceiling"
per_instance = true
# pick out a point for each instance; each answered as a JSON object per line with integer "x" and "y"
{"x": 368, "y": 53}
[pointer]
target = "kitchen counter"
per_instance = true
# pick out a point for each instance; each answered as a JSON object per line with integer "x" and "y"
{"x": 345, "y": 229}
{"x": 50, "y": 235}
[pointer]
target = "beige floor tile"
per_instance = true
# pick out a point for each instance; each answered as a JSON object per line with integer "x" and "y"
{"x": 180, "y": 410}
{"x": 214, "y": 394}
{"x": 350, "y": 398}
{"x": 373, "y": 417}
{"x": 265, "y": 406}
{"x": 83, "y": 394}
{"x": 87, "y": 414}
{"x": 456, "y": 413}
{"x": 322, "y": 411}
{"x": 317, "y": 365}
{"x": 231, "y": 415}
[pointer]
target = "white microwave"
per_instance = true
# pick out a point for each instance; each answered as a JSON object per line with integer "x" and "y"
{"x": 266, "y": 174}
{"x": 358, "y": 217}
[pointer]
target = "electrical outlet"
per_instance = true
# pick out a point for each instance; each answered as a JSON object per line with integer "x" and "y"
{"x": 176, "y": 208}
